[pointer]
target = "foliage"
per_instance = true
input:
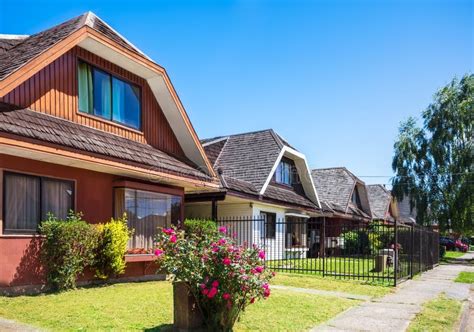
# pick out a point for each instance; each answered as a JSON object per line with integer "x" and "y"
{"x": 465, "y": 277}
{"x": 223, "y": 277}
{"x": 434, "y": 165}
{"x": 112, "y": 246}
{"x": 356, "y": 242}
{"x": 67, "y": 249}
{"x": 199, "y": 228}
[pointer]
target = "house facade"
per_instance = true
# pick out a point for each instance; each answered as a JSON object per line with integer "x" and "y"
{"x": 89, "y": 123}
{"x": 262, "y": 178}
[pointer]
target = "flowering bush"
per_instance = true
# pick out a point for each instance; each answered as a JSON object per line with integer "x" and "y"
{"x": 222, "y": 276}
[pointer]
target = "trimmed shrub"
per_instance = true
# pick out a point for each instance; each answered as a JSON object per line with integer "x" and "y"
{"x": 199, "y": 228}
{"x": 112, "y": 246}
{"x": 68, "y": 248}
{"x": 355, "y": 242}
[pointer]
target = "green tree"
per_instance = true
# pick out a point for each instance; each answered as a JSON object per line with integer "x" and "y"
{"x": 434, "y": 165}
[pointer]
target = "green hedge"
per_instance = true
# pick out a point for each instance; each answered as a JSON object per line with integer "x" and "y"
{"x": 71, "y": 245}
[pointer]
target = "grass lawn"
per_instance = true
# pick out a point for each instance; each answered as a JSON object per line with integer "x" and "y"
{"x": 148, "y": 306}
{"x": 465, "y": 277}
{"x": 453, "y": 254}
{"x": 440, "y": 314}
{"x": 330, "y": 284}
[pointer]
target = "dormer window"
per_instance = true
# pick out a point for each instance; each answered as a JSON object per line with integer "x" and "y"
{"x": 356, "y": 198}
{"x": 107, "y": 96}
{"x": 286, "y": 173}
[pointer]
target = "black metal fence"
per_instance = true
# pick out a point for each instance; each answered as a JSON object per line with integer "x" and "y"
{"x": 379, "y": 252}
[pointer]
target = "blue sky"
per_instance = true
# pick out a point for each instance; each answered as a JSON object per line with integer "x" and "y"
{"x": 334, "y": 78}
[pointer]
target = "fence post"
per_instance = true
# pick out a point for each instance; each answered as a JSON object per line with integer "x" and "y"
{"x": 412, "y": 254}
{"x": 323, "y": 239}
{"x": 395, "y": 263}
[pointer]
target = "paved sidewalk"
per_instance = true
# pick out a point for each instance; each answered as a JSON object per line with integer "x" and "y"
{"x": 395, "y": 311}
{"x": 7, "y": 325}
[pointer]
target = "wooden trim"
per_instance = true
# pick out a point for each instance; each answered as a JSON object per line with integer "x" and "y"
{"x": 44, "y": 59}
{"x": 170, "y": 190}
{"x": 13, "y": 141}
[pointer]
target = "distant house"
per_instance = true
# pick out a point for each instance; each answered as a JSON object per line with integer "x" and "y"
{"x": 342, "y": 194}
{"x": 382, "y": 204}
{"x": 261, "y": 175}
{"x": 89, "y": 123}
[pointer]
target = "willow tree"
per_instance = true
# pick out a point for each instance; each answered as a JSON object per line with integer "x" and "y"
{"x": 434, "y": 164}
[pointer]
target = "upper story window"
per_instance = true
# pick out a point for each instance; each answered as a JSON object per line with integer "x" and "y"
{"x": 356, "y": 198}
{"x": 286, "y": 173}
{"x": 104, "y": 95}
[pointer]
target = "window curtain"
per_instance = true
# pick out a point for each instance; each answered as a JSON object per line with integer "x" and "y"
{"x": 57, "y": 198}
{"x": 102, "y": 94}
{"x": 146, "y": 212}
{"x": 85, "y": 88}
{"x": 22, "y": 205}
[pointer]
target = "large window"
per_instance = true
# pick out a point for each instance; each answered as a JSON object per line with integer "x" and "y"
{"x": 146, "y": 211}
{"x": 108, "y": 97}
{"x": 29, "y": 199}
{"x": 270, "y": 224}
{"x": 286, "y": 173}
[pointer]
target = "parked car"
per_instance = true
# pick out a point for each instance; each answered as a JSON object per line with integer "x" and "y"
{"x": 448, "y": 243}
{"x": 461, "y": 246}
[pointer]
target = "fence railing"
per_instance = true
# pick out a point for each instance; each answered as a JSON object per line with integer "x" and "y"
{"x": 380, "y": 252}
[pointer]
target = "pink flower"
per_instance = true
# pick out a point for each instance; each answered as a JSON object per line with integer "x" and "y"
{"x": 158, "y": 252}
{"x": 226, "y": 296}
{"x": 202, "y": 286}
{"x": 259, "y": 269}
{"x": 265, "y": 286}
{"x": 168, "y": 231}
{"x": 261, "y": 254}
{"x": 205, "y": 291}
{"x": 226, "y": 261}
{"x": 173, "y": 238}
{"x": 223, "y": 229}
{"x": 221, "y": 241}
{"x": 212, "y": 293}
{"x": 215, "y": 249}
{"x": 266, "y": 293}
{"x": 215, "y": 284}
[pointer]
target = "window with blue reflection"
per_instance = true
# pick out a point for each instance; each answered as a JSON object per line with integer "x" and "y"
{"x": 107, "y": 96}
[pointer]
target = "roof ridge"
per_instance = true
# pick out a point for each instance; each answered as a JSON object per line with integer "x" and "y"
{"x": 238, "y": 134}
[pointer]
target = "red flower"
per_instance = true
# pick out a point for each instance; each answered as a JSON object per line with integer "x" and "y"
{"x": 173, "y": 238}
{"x": 226, "y": 261}
{"x": 205, "y": 291}
{"x": 158, "y": 252}
{"x": 215, "y": 284}
{"x": 226, "y": 296}
{"x": 259, "y": 269}
{"x": 221, "y": 241}
{"x": 261, "y": 254}
{"x": 202, "y": 286}
{"x": 223, "y": 229}
{"x": 212, "y": 293}
{"x": 252, "y": 300}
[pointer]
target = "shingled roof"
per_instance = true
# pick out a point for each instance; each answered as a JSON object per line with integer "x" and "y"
{"x": 45, "y": 128}
{"x": 28, "y": 48}
{"x": 245, "y": 162}
{"x": 379, "y": 198}
{"x": 335, "y": 187}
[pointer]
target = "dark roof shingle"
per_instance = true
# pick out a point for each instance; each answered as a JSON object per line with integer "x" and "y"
{"x": 379, "y": 199}
{"x": 29, "y": 48}
{"x": 46, "y": 128}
